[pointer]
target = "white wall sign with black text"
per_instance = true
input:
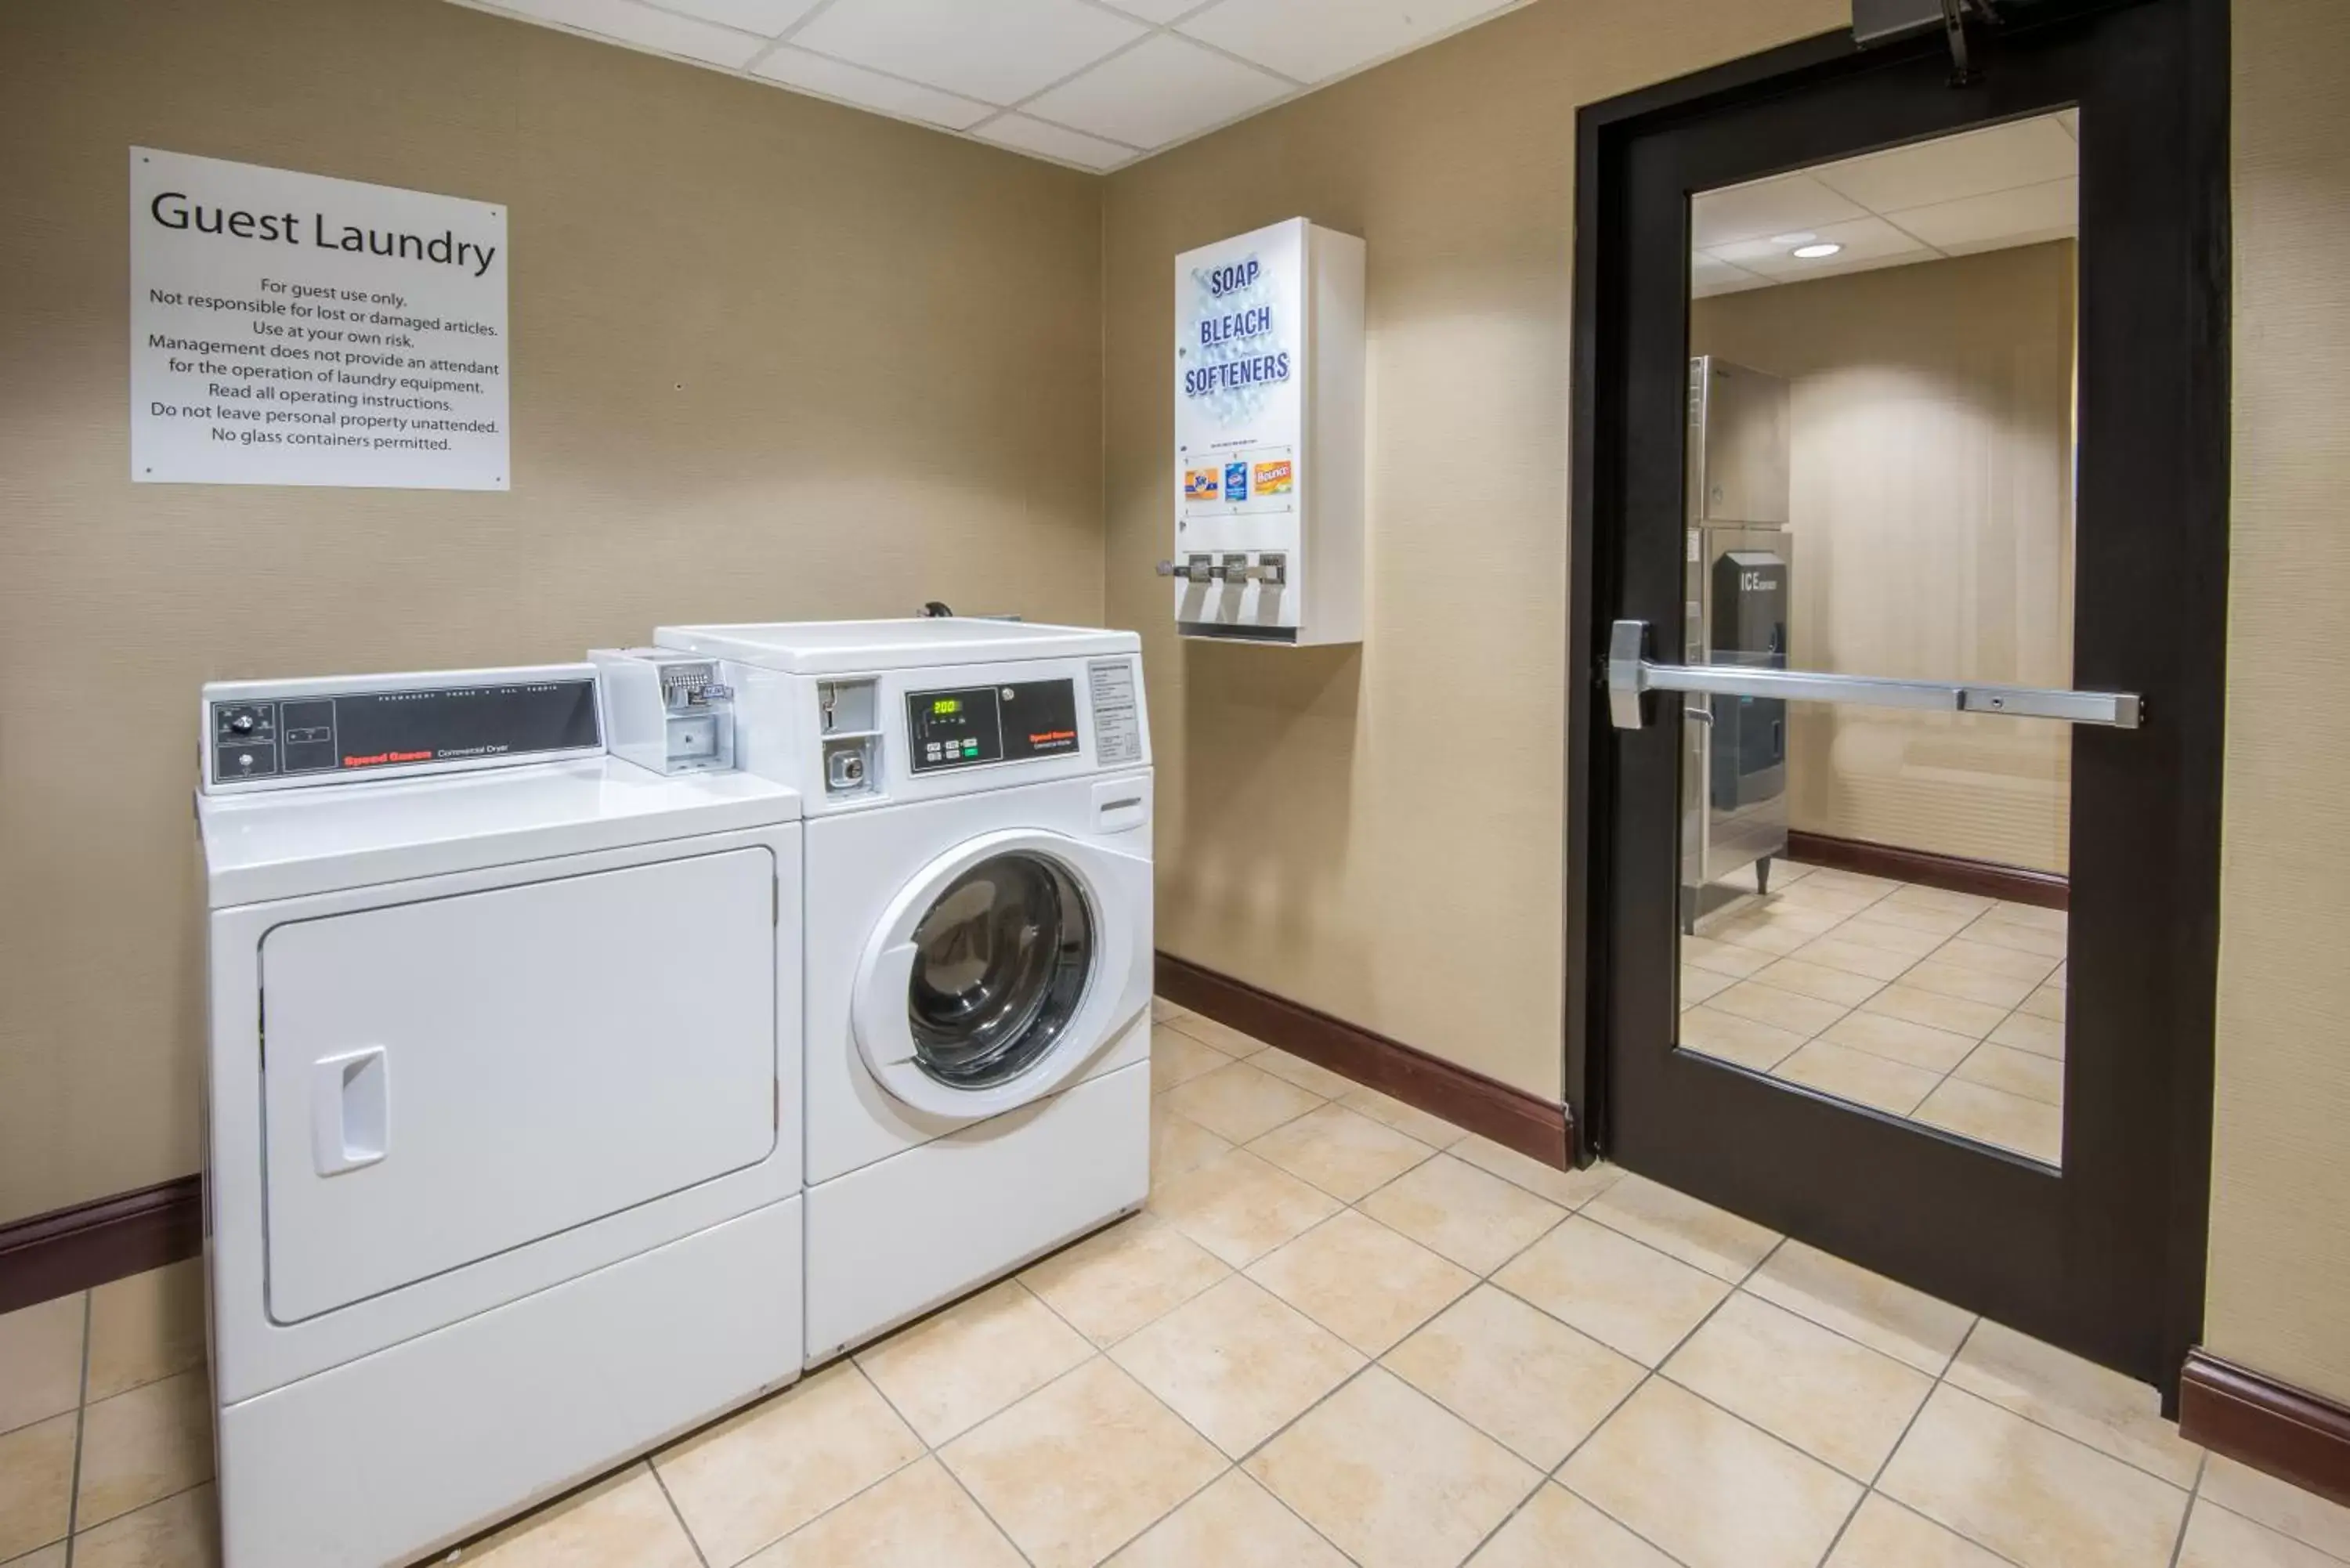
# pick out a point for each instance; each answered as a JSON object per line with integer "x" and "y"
{"x": 290, "y": 329}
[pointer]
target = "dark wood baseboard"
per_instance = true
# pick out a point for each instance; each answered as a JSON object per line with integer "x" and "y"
{"x": 69, "y": 1250}
{"x": 1534, "y": 1127}
{"x": 2271, "y": 1426}
{"x": 1951, "y": 873}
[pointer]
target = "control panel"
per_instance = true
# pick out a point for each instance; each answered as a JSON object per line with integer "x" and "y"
{"x": 259, "y": 733}
{"x": 973, "y": 725}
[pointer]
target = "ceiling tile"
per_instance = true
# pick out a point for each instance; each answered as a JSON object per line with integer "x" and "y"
{"x": 1711, "y": 275}
{"x": 1786, "y": 204}
{"x": 1313, "y": 40}
{"x": 2027, "y": 152}
{"x": 869, "y": 90}
{"x": 2003, "y": 218}
{"x": 1866, "y": 241}
{"x": 1023, "y": 134}
{"x": 1159, "y": 11}
{"x": 765, "y": 17}
{"x": 1159, "y": 91}
{"x": 627, "y": 22}
{"x": 999, "y": 52}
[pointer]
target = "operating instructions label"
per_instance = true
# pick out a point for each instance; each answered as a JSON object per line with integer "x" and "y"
{"x": 291, "y": 329}
{"x": 1118, "y": 724}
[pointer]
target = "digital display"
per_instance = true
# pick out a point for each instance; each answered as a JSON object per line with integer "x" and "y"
{"x": 991, "y": 724}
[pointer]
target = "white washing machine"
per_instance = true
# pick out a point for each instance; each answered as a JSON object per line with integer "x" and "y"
{"x": 978, "y": 904}
{"x": 504, "y": 1166}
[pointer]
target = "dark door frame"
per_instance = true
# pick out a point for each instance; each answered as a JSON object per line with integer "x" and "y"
{"x": 2176, "y": 1156}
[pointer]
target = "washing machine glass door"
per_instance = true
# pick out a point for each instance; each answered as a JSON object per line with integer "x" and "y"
{"x": 992, "y": 974}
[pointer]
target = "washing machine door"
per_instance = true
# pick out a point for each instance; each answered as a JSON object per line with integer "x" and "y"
{"x": 998, "y": 972}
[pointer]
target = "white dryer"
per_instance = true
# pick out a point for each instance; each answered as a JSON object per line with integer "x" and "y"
{"x": 978, "y": 906}
{"x": 504, "y": 1166}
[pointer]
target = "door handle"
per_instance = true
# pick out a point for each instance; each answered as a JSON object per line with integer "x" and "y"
{"x": 350, "y": 1106}
{"x": 1631, "y": 672}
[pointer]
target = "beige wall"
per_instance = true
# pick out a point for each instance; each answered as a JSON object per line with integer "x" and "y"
{"x": 1377, "y": 832}
{"x": 770, "y": 358}
{"x": 2279, "y": 1266}
{"x": 1932, "y": 519}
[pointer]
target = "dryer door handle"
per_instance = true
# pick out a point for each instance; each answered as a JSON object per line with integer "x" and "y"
{"x": 351, "y": 1110}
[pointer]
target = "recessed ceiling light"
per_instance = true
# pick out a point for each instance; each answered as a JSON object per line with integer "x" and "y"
{"x": 1813, "y": 253}
{"x": 1800, "y": 237}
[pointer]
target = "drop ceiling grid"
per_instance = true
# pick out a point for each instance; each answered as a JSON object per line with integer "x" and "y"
{"x": 1091, "y": 84}
{"x": 2013, "y": 193}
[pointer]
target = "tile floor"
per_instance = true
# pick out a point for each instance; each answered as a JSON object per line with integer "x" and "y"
{"x": 1342, "y": 1331}
{"x": 1943, "y": 1008}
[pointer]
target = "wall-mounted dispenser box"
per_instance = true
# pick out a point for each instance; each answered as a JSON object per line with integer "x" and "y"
{"x": 1268, "y": 469}
{"x": 665, "y": 710}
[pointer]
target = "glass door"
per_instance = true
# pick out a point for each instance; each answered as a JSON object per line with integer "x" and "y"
{"x": 1906, "y": 666}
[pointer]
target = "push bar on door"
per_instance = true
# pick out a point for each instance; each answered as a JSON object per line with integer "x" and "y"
{"x": 1630, "y": 672}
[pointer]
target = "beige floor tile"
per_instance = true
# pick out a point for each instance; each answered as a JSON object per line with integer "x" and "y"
{"x": 1936, "y": 1010}
{"x": 1237, "y": 1363}
{"x": 2034, "y": 1496}
{"x": 1178, "y": 1144}
{"x": 1817, "y": 894}
{"x": 2014, "y": 914}
{"x": 953, "y": 1369}
{"x": 1877, "y": 887}
{"x": 36, "y": 1484}
{"x": 1115, "y": 1280}
{"x": 1898, "y": 1040}
{"x": 1391, "y": 1478}
{"x": 183, "y": 1532}
{"x": 1728, "y": 1038}
{"x": 1939, "y": 975}
{"x": 1773, "y": 932}
{"x": 1627, "y": 1296}
{"x": 1342, "y": 1152}
{"x": 1176, "y": 1058}
{"x": 2036, "y": 1077}
{"x": 2114, "y": 1413}
{"x": 1994, "y": 932}
{"x": 1858, "y": 1077}
{"x": 1910, "y": 935}
{"x": 1707, "y": 1488}
{"x": 1884, "y": 1534}
{"x": 1475, "y": 1219}
{"x": 1409, "y": 1121}
{"x": 1941, "y": 924}
{"x": 1240, "y": 1208}
{"x": 1989, "y": 1115}
{"x": 40, "y": 1361}
{"x": 1361, "y": 1281}
{"x": 2218, "y": 1538}
{"x": 147, "y": 1444}
{"x": 50, "y": 1556}
{"x": 1515, "y": 1374}
{"x": 1236, "y": 1523}
{"x": 1712, "y": 1239}
{"x": 918, "y": 1518}
{"x": 1082, "y": 1466}
{"x": 1724, "y": 957}
{"x": 2282, "y": 1506}
{"x": 2047, "y": 1002}
{"x": 1836, "y": 1400}
{"x": 1239, "y": 1102}
{"x": 1911, "y": 895}
{"x": 2061, "y": 979}
{"x": 1567, "y": 1189}
{"x": 1907, "y": 1324}
{"x": 1223, "y": 1036}
{"x": 1164, "y": 1011}
{"x": 1556, "y": 1529}
{"x": 621, "y": 1522}
{"x": 1788, "y": 1009}
{"x": 2006, "y": 962}
{"x": 759, "y": 1475}
{"x": 1697, "y": 984}
{"x": 1310, "y": 1077}
{"x": 146, "y": 1327}
{"x": 1840, "y": 987}
{"x": 1843, "y": 948}
{"x": 2024, "y": 1030}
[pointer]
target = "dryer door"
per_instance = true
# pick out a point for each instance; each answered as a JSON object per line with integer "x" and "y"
{"x": 998, "y": 972}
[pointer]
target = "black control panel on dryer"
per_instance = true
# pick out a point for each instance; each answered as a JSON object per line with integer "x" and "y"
{"x": 972, "y": 725}
{"x": 358, "y": 732}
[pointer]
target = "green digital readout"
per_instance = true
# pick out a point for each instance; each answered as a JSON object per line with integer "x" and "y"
{"x": 945, "y": 705}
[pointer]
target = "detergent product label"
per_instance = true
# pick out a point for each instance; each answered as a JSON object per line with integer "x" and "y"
{"x": 1203, "y": 483}
{"x": 1236, "y": 482}
{"x": 1274, "y": 478}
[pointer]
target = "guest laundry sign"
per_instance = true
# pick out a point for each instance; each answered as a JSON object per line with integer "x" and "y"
{"x": 1240, "y": 369}
{"x": 290, "y": 329}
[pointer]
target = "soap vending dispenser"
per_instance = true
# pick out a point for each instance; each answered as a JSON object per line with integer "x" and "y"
{"x": 666, "y": 710}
